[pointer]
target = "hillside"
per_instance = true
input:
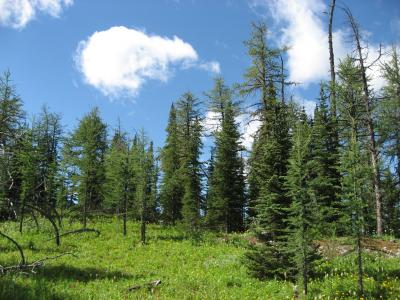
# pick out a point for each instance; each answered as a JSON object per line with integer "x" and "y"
{"x": 105, "y": 267}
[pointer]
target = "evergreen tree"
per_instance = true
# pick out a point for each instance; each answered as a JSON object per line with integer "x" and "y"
{"x": 171, "y": 187}
{"x": 119, "y": 184}
{"x": 47, "y": 134}
{"x": 303, "y": 212}
{"x": 268, "y": 161}
{"x": 390, "y": 112}
{"x": 391, "y": 207}
{"x": 355, "y": 174}
{"x": 225, "y": 202}
{"x": 85, "y": 151}
{"x": 145, "y": 171}
{"x": 325, "y": 177}
{"x": 151, "y": 184}
{"x": 190, "y": 128}
{"x": 11, "y": 122}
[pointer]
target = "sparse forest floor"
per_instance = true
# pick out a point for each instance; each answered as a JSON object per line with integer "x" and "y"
{"x": 105, "y": 267}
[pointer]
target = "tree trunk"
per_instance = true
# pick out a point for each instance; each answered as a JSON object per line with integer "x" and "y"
{"x": 142, "y": 231}
{"x": 125, "y": 210}
{"x": 360, "y": 268}
{"x": 332, "y": 96}
{"x": 370, "y": 126}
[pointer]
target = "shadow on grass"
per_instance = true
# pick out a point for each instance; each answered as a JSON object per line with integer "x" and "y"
{"x": 11, "y": 290}
{"x": 63, "y": 272}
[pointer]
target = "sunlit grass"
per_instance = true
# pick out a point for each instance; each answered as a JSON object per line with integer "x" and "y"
{"x": 212, "y": 268}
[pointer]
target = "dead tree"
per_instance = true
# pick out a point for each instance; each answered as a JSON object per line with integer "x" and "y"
{"x": 332, "y": 95}
{"x": 369, "y": 120}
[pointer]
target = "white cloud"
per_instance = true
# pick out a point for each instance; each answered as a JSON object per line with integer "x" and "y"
{"x": 120, "y": 60}
{"x": 305, "y": 33}
{"x": 212, "y": 67}
{"x": 248, "y": 128}
{"x": 17, "y": 13}
{"x": 303, "y": 27}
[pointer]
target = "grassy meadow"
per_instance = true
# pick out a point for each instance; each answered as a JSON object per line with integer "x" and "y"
{"x": 211, "y": 267}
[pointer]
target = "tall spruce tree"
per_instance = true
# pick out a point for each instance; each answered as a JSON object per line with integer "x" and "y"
{"x": 145, "y": 171}
{"x": 171, "y": 192}
{"x": 85, "y": 151}
{"x": 190, "y": 130}
{"x": 303, "y": 212}
{"x": 268, "y": 161}
{"x": 11, "y": 124}
{"x": 47, "y": 135}
{"x": 325, "y": 179}
{"x": 355, "y": 174}
{"x": 389, "y": 129}
{"x": 119, "y": 187}
{"x": 225, "y": 202}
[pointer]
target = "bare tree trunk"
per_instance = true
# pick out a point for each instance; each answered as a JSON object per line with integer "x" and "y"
{"x": 360, "y": 268}
{"x": 332, "y": 95}
{"x": 21, "y": 220}
{"x": 125, "y": 210}
{"x": 370, "y": 125}
{"x": 142, "y": 230}
{"x": 282, "y": 81}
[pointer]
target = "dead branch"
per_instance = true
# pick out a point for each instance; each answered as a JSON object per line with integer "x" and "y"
{"x": 79, "y": 231}
{"x": 151, "y": 285}
{"x": 48, "y": 217}
{"x": 16, "y": 245}
{"x": 32, "y": 266}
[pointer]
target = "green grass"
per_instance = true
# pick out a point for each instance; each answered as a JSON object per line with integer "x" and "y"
{"x": 212, "y": 268}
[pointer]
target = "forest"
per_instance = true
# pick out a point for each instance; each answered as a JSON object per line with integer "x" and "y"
{"x": 312, "y": 211}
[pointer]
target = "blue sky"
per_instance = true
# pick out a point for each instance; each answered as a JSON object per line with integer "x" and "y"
{"x": 133, "y": 58}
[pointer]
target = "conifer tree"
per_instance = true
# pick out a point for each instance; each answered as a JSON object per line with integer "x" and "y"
{"x": 325, "y": 180}
{"x": 119, "y": 186}
{"x": 47, "y": 134}
{"x": 225, "y": 202}
{"x": 355, "y": 174}
{"x": 11, "y": 122}
{"x": 390, "y": 111}
{"x": 171, "y": 192}
{"x": 190, "y": 129}
{"x": 145, "y": 174}
{"x": 268, "y": 161}
{"x": 303, "y": 212}
{"x": 85, "y": 150}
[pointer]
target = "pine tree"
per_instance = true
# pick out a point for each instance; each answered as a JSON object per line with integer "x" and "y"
{"x": 11, "y": 122}
{"x": 390, "y": 111}
{"x": 119, "y": 186}
{"x": 391, "y": 207}
{"x": 325, "y": 181}
{"x": 225, "y": 202}
{"x": 303, "y": 212}
{"x": 171, "y": 188}
{"x": 190, "y": 128}
{"x": 145, "y": 171}
{"x": 47, "y": 135}
{"x": 268, "y": 160}
{"x": 85, "y": 150}
{"x": 355, "y": 174}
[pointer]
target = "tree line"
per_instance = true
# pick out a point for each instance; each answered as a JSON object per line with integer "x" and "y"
{"x": 334, "y": 174}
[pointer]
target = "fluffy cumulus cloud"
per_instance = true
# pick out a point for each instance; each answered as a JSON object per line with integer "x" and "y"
{"x": 118, "y": 61}
{"x": 303, "y": 27}
{"x": 304, "y": 31}
{"x": 18, "y": 13}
